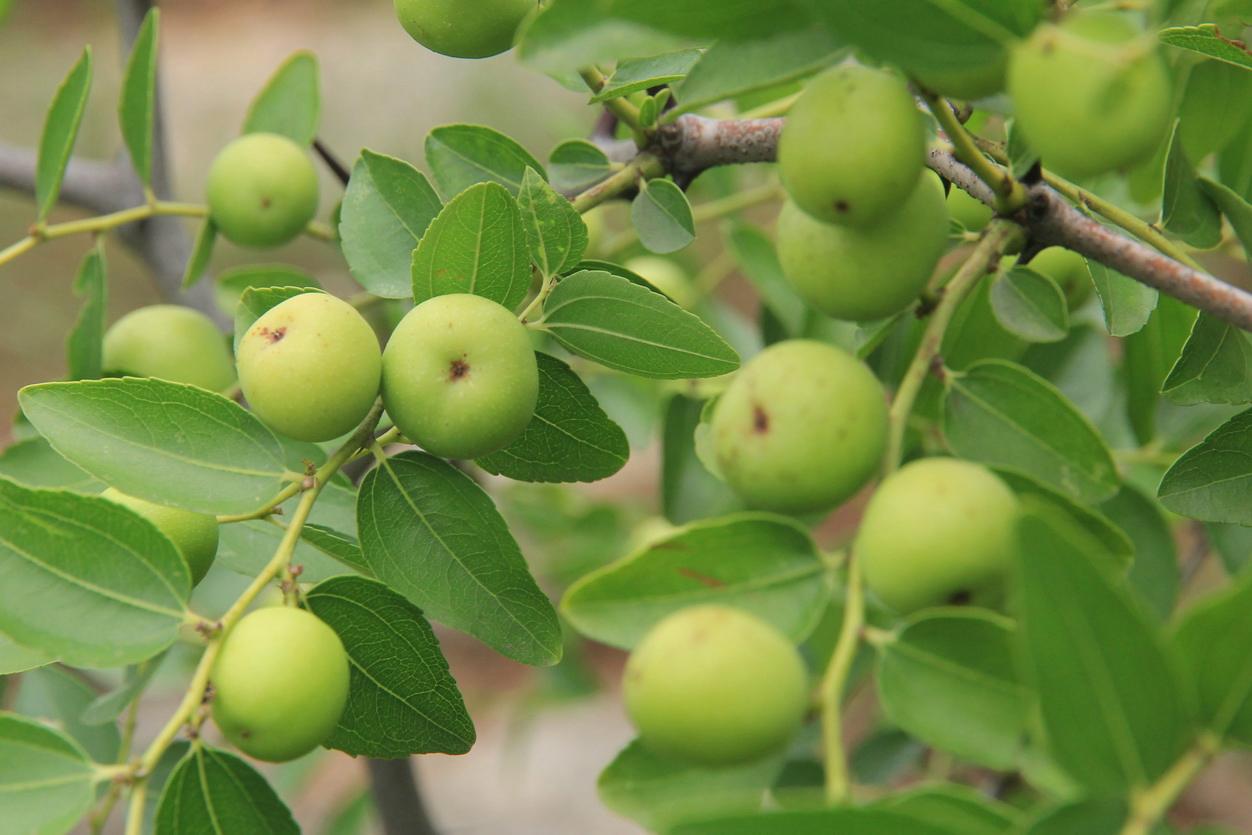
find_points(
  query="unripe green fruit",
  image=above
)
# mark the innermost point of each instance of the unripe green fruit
(193, 534)
(310, 367)
(170, 342)
(1092, 95)
(280, 683)
(463, 30)
(262, 190)
(852, 146)
(801, 428)
(594, 221)
(666, 276)
(716, 686)
(865, 272)
(968, 83)
(937, 531)
(968, 211)
(1068, 269)
(460, 377)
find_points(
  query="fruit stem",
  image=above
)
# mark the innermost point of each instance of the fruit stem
(1010, 194)
(1150, 805)
(838, 784)
(624, 110)
(996, 238)
(641, 167)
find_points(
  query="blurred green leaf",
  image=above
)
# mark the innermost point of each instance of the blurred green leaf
(201, 252)
(1207, 40)
(1149, 354)
(47, 781)
(662, 216)
(688, 490)
(85, 342)
(59, 696)
(60, 130)
(956, 807)
(1186, 210)
(34, 463)
(1215, 642)
(1127, 304)
(816, 822)
(1086, 817)
(136, 110)
(1030, 305)
(576, 164)
(17, 659)
(290, 104)
(1154, 572)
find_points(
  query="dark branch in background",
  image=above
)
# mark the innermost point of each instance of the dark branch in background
(336, 167)
(400, 807)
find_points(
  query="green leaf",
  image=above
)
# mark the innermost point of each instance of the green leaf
(957, 808)
(1022, 157)
(165, 442)
(211, 792)
(246, 547)
(46, 781)
(662, 216)
(34, 463)
(689, 491)
(402, 700)
(201, 252)
(428, 531)
(1149, 355)
(84, 346)
(107, 707)
(18, 659)
(1236, 209)
(477, 245)
(635, 74)
(137, 107)
(1186, 210)
(1114, 539)
(59, 696)
(758, 259)
(1086, 817)
(1030, 305)
(1154, 572)
(658, 793)
(63, 552)
(1207, 40)
(816, 822)
(554, 229)
(1127, 304)
(576, 164)
(1214, 639)
(255, 301)
(1217, 102)
(232, 283)
(344, 548)
(621, 325)
(386, 209)
(1114, 713)
(948, 679)
(290, 103)
(1215, 365)
(60, 129)
(733, 68)
(761, 563)
(1003, 415)
(462, 155)
(1212, 481)
(570, 438)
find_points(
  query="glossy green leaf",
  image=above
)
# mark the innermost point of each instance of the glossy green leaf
(733, 68)
(211, 792)
(956, 807)
(46, 780)
(816, 822)
(622, 325)
(462, 155)
(1127, 304)
(231, 284)
(662, 216)
(16, 659)
(402, 699)
(576, 164)
(554, 229)
(1114, 712)
(137, 108)
(290, 104)
(429, 532)
(201, 252)
(688, 490)
(60, 130)
(635, 74)
(165, 442)
(1207, 40)
(1006, 416)
(34, 463)
(1154, 574)
(477, 244)
(386, 209)
(659, 793)
(1186, 210)
(84, 346)
(764, 564)
(1215, 365)
(1212, 481)
(59, 696)
(570, 438)
(1030, 305)
(1215, 642)
(63, 552)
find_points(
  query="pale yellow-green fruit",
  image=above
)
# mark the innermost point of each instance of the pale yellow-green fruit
(852, 146)
(193, 534)
(865, 272)
(463, 30)
(262, 190)
(280, 683)
(716, 686)
(968, 211)
(596, 227)
(310, 367)
(1092, 95)
(801, 427)
(666, 276)
(170, 342)
(968, 83)
(1068, 269)
(937, 531)
(459, 376)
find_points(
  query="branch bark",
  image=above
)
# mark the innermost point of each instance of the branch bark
(399, 805)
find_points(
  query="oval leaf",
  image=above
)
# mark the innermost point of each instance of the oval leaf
(211, 792)
(1030, 305)
(815, 822)
(576, 164)
(402, 700)
(662, 216)
(17, 659)
(233, 283)
(462, 155)
(1215, 365)
(136, 111)
(554, 229)
(290, 103)
(60, 130)
(957, 807)
(201, 252)
(1212, 481)
(168, 443)
(1127, 303)
(46, 780)
(34, 463)
(428, 531)
(1215, 642)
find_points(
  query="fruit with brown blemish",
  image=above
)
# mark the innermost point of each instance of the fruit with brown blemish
(262, 190)
(459, 376)
(280, 683)
(852, 146)
(800, 428)
(172, 343)
(861, 273)
(310, 367)
(716, 686)
(195, 535)
(938, 531)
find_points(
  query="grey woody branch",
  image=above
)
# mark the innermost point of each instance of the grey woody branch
(694, 143)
